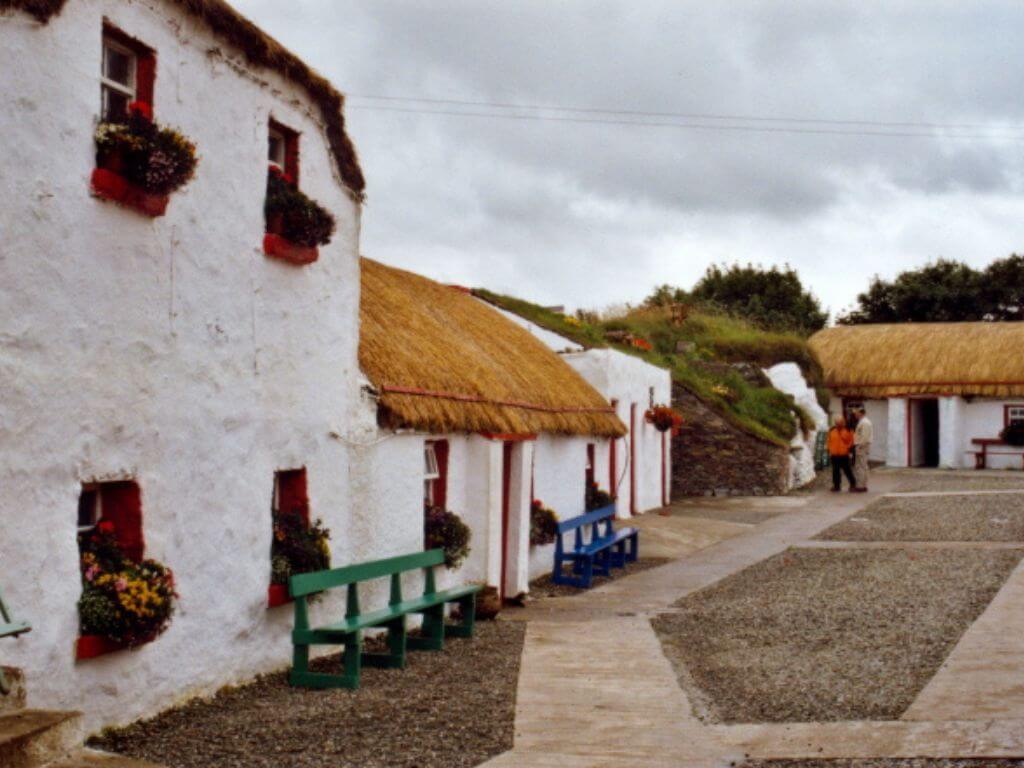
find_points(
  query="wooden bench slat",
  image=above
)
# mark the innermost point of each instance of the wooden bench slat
(396, 611)
(308, 583)
(14, 629)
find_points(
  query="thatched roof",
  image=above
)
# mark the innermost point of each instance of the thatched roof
(985, 359)
(445, 362)
(260, 50)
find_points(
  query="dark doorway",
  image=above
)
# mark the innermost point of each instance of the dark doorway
(930, 432)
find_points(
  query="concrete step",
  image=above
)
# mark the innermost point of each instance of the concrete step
(90, 758)
(33, 737)
(14, 700)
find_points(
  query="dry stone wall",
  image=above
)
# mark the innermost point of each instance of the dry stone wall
(711, 457)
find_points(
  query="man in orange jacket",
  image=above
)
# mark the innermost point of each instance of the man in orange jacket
(840, 440)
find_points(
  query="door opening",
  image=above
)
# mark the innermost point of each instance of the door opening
(924, 432)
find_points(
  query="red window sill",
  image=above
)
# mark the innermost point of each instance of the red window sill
(91, 646)
(108, 185)
(277, 594)
(279, 248)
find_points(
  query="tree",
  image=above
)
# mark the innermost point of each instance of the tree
(944, 291)
(771, 298)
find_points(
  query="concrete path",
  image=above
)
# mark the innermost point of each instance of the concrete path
(595, 688)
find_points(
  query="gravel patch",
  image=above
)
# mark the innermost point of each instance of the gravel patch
(825, 635)
(938, 481)
(450, 709)
(890, 762)
(543, 587)
(935, 518)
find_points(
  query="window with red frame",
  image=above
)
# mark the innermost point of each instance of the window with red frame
(127, 74)
(119, 504)
(283, 150)
(290, 495)
(435, 473)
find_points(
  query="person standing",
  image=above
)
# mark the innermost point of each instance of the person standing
(840, 441)
(862, 446)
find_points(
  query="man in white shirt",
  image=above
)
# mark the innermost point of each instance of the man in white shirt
(862, 444)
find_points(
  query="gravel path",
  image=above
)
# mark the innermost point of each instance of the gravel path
(825, 635)
(543, 587)
(446, 710)
(936, 518)
(939, 481)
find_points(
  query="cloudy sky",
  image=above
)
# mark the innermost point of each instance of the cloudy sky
(686, 133)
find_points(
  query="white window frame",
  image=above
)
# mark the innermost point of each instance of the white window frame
(1010, 413)
(282, 142)
(106, 83)
(97, 512)
(431, 471)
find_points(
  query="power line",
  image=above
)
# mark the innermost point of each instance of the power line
(692, 115)
(689, 126)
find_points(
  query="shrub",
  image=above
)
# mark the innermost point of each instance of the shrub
(445, 530)
(158, 160)
(1013, 433)
(597, 498)
(297, 547)
(293, 215)
(127, 602)
(543, 524)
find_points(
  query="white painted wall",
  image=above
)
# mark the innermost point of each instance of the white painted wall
(983, 417)
(952, 412)
(788, 378)
(897, 411)
(551, 339)
(171, 351)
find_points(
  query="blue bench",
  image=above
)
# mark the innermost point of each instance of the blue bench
(605, 548)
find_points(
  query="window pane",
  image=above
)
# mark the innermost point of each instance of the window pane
(87, 508)
(115, 106)
(276, 154)
(118, 66)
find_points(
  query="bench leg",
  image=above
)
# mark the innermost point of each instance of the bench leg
(558, 574)
(467, 607)
(397, 643)
(604, 562)
(433, 631)
(301, 677)
(588, 573)
(634, 549)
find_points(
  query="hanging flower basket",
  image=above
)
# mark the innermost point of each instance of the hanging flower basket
(664, 418)
(139, 164)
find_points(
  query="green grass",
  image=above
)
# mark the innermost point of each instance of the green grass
(761, 411)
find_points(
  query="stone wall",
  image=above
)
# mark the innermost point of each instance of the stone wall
(712, 457)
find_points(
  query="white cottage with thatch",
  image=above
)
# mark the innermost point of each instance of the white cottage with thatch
(471, 411)
(938, 394)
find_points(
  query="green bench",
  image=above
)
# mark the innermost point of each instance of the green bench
(348, 632)
(9, 628)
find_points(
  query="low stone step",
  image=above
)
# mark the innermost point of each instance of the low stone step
(31, 737)
(90, 758)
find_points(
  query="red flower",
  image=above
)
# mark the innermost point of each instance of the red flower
(141, 109)
(105, 526)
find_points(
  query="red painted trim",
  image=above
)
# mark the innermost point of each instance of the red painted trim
(613, 460)
(145, 77)
(108, 185)
(632, 459)
(416, 391)
(507, 437)
(506, 492)
(441, 449)
(279, 248)
(291, 149)
(664, 472)
(591, 474)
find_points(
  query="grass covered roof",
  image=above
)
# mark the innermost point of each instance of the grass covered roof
(984, 359)
(260, 50)
(444, 362)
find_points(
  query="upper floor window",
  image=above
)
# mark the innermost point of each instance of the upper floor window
(1014, 414)
(283, 151)
(127, 74)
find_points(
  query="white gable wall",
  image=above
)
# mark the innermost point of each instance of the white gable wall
(170, 351)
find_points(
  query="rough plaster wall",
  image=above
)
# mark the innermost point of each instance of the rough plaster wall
(952, 453)
(896, 431)
(552, 340)
(878, 414)
(169, 350)
(628, 380)
(788, 378)
(559, 480)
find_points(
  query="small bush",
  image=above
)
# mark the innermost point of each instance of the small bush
(543, 524)
(299, 219)
(446, 530)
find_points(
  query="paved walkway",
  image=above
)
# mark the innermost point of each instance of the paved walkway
(596, 690)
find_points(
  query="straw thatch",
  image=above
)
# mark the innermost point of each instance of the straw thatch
(984, 359)
(445, 362)
(260, 50)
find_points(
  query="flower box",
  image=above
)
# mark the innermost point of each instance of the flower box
(91, 646)
(108, 185)
(277, 594)
(279, 248)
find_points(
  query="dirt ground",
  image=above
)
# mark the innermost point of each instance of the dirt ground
(992, 517)
(451, 709)
(825, 635)
(543, 587)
